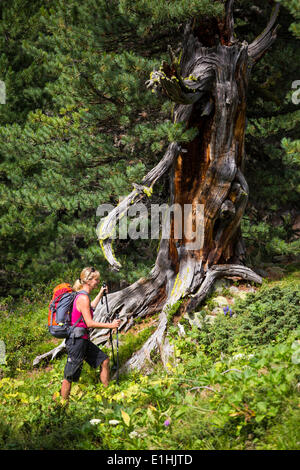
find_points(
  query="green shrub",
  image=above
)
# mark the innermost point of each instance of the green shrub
(265, 316)
(23, 328)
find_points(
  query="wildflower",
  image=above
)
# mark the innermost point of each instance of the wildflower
(134, 434)
(225, 310)
(95, 421)
(113, 422)
(230, 312)
(167, 422)
(238, 356)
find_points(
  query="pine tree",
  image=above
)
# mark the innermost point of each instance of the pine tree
(272, 160)
(68, 158)
(24, 74)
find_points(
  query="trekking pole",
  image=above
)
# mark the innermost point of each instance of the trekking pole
(110, 333)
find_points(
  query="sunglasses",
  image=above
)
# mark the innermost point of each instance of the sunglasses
(92, 270)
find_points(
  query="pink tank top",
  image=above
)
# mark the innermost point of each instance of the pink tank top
(76, 314)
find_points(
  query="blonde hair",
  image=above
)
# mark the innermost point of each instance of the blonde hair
(86, 275)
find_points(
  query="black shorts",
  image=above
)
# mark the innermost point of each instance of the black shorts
(79, 351)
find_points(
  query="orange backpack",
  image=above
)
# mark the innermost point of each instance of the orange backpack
(60, 309)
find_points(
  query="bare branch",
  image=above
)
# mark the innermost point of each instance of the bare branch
(107, 227)
(156, 340)
(230, 370)
(216, 272)
(53, 353)
(262, 43)
(229, 21)
(203, 386)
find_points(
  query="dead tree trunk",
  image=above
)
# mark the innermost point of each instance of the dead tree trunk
(208, 83)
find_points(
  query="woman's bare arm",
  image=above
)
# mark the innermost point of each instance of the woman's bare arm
(99, 296)
(83, 305)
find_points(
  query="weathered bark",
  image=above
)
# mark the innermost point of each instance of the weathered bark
(209, 86)
(50, 354)
(264, 41)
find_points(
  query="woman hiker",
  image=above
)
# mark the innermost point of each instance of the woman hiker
(80, 349)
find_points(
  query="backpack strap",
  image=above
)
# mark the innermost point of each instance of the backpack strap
(81, 316)
(83, 292)
(77, 321)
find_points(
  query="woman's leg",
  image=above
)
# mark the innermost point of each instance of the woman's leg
(104, 373)
(65, 389)
(76, 353)
(95, 358)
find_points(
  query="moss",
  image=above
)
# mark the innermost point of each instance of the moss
(172, 311)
